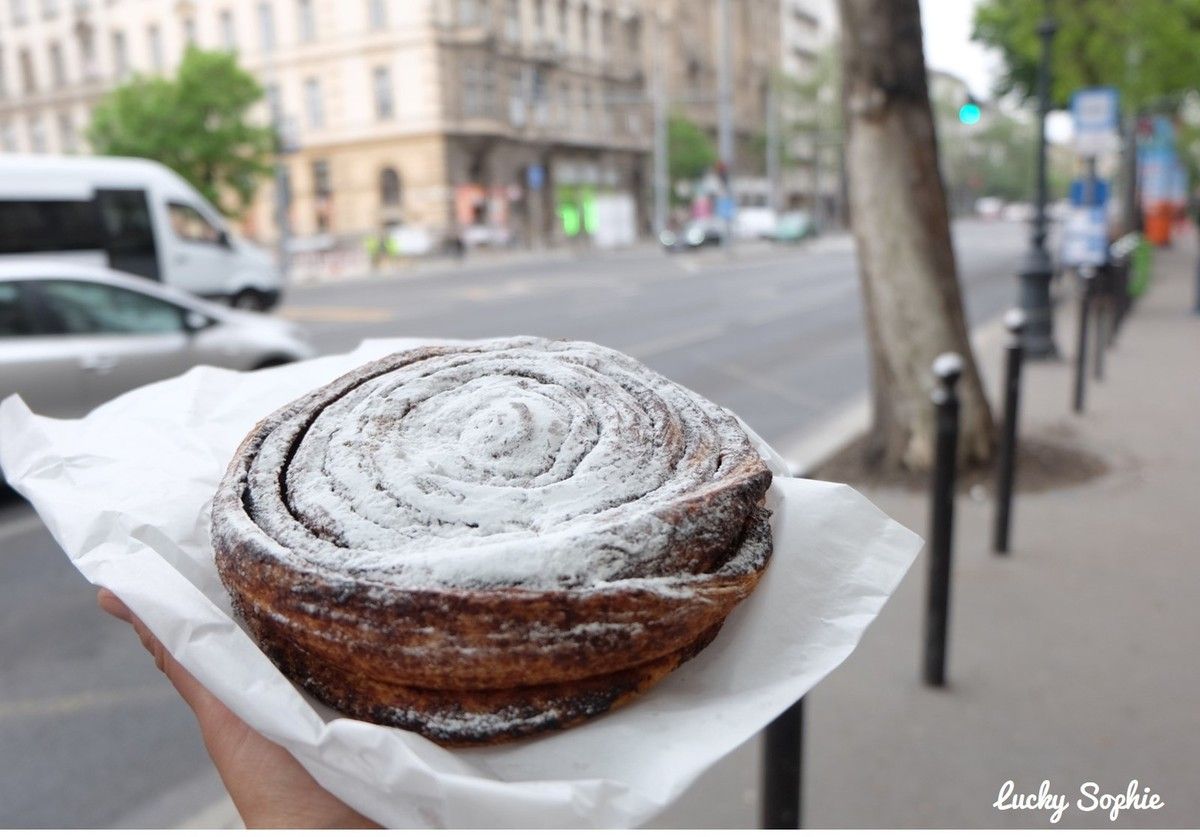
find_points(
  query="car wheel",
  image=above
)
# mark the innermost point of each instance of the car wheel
(249, 300)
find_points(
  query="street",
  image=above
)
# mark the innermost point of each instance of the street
(94, 736)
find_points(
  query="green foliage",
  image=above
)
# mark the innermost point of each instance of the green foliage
(690, 152)
(1147, 49)
(196, 123)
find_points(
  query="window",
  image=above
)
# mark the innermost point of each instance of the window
(37, 135)
(274, 103)
(472, 12)
(306, 26)
(189, 225)
(87, 49)
(539, 17)
(154, 43)
(228, 35)
(384, 105)
(266, 27)
(67, 138)
(585, 34)
(69, 307)
(13, 322)
(120, 56)
(633, 37)
(58, 70)
(8, 137)
(28, 78)
(49, 8)
(49, 226)
(312, 103)
(377, 14)
(20, 12)
(512, 20)
(3, 77)
(606, 30)
(189, 31)
(563, 20)
(472, 94)
(322, 183)
(389, 187)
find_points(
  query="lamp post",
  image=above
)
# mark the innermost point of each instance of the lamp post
(1037, 269)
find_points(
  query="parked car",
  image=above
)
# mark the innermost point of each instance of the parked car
(793, 227)
(699, 232)
(133, 215)
(73, 336)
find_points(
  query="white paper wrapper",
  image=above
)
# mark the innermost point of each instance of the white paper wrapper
(126, 492)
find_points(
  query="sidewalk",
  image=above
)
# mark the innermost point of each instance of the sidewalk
(1073, 660)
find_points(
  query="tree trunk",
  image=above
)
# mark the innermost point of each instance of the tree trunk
(898, 213)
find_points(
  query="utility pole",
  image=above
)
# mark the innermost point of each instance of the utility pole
(661, 149)
(725, 148)
(1037, 270)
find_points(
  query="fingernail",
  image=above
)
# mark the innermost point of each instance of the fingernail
(113, 606)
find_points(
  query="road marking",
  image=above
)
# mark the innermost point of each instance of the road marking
(678, 340)
(23, 525)
(23, 710)
(335, 314)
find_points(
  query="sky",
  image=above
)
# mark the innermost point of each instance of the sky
(946, 25)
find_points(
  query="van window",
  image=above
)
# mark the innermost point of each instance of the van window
(189, 225)
(71, 307)
(34, 226)
(12, 313)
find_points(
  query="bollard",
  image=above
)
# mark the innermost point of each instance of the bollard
(1086, 276)
(783, 754)
(1006, 460)
(1101, 306)
(947, 369)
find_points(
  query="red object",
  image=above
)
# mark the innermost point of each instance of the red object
(1158, 224)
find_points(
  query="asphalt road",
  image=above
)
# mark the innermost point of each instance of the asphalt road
(90, 733)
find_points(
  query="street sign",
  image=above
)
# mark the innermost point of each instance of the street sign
(1094, 110)
(1100, 192)
(535, 177)
(726, 208)
(1085, 237)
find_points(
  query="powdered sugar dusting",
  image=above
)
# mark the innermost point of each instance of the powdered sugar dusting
(527, 463)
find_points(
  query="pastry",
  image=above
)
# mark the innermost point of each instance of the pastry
(483, 541)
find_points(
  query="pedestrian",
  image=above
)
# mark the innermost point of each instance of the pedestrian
(267, 785)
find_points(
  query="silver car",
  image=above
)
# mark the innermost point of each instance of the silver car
(73, 336)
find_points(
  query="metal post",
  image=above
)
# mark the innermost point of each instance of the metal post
(783, 758)
(1037, 269)
(1086, 276)
(1006, 464)
(773, 166)
(1100, 309)
(725, 149)
(661, 171)
(947, 369)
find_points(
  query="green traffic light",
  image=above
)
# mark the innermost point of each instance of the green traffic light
(969, 113)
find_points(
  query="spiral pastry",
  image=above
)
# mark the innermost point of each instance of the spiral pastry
(484, 541)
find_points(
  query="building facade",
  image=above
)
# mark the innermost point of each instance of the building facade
(438, 114)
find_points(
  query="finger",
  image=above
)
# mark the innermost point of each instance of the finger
(113, 606)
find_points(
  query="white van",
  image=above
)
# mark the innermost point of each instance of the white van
(133, 215)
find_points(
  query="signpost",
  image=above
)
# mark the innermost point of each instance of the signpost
(1094, 111)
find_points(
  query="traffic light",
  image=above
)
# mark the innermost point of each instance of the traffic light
(970, 112)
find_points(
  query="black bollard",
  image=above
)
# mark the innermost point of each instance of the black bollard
(1101, 306)
(1086, 276)
(783, 757)
(947, 369)
(1006, 460)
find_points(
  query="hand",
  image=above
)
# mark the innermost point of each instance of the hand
(268, 785)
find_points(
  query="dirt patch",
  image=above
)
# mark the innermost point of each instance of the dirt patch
(1047, 458)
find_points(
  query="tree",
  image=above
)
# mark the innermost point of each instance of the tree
(690, 152)
(196, 123)
(898, 213)
(1146, 50)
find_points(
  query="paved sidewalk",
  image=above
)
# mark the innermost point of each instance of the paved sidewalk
(1074, 660)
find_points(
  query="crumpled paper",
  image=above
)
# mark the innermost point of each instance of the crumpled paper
(127, 493)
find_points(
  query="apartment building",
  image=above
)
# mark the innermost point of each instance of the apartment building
(437, 114)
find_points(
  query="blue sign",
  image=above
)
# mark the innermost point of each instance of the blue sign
(1094, 110)
(726, 208)
(1099, 193)
(535, 177)
(1085, 237)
